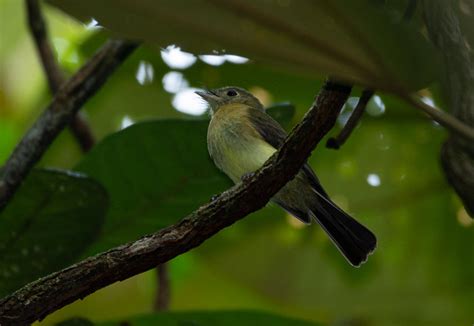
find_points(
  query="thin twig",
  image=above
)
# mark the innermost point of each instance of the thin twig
(339, 140)
(163, 294)
(79, 126)
(444, 119)
(82, 131)
(46, 295)
(59, 113)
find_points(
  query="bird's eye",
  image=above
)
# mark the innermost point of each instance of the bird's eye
(231, 93)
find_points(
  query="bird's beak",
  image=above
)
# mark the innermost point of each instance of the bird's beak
(208, 96)
(211, 98)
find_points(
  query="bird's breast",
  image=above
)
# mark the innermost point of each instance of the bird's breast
(234, 145)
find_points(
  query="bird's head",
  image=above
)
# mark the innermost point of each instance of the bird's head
(217, 98)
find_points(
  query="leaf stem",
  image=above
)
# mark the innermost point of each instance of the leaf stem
(339, 140)
(444, 119)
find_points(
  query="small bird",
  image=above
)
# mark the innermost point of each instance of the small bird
(242, 136)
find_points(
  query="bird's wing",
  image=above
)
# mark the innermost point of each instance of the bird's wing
(267, 127)
(275, 135)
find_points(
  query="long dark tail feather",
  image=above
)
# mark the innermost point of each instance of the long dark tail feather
(354, 240)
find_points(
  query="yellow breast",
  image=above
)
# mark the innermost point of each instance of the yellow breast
(234, 145)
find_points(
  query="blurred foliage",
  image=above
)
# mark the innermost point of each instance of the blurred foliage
(228, 318)
(76, 322)
(387, 175)
(50, 221)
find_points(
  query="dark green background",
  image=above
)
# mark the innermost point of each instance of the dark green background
(155, 172)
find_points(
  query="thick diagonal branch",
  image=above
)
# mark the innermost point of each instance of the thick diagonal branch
(79, 126)
(59, 113)
(40, 298)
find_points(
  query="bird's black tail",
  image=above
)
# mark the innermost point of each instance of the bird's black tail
(353, 239)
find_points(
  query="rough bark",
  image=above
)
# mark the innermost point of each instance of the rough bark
(444, 22)
(44, 296)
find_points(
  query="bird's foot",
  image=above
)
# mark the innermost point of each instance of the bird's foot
(214, 197)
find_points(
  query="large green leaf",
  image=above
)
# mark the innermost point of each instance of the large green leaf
(50, 221)
(156, 172)
(353, 40)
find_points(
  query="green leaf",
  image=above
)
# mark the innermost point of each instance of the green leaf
(353, 40)
(156, 173)
(51, 220)
(211, 318)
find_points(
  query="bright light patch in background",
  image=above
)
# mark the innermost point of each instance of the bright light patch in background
(126, 121)
(187, 101)
(73, 58)
(60, 45)
(219, 59)
(376, 106)
(429, 101)
(145, 73)
(262, 94)
(373, 180)
(237, 59)
(347, 110)
(213, 60)
(93, 24)
(177, 59)
(463, 218)
(174, 81)
(294, 222)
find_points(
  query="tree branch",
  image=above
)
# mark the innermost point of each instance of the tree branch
(59, 113)
(40, 298)
(79, 126)
(339, 140)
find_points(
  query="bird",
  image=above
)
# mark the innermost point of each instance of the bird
(241, 136)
